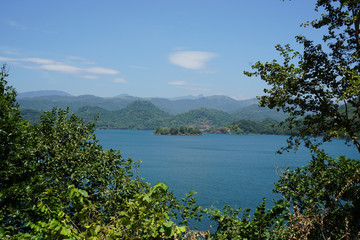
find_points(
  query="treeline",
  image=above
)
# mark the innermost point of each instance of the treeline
(177, 131)
(266, 126)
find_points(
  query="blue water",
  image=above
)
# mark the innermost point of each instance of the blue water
(238, 170)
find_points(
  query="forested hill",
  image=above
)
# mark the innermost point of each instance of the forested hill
(145, 115)
(137, 115)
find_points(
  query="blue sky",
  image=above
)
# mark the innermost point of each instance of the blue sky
(146, 48)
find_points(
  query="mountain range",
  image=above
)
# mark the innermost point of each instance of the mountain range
(129, 112)
(45, 100)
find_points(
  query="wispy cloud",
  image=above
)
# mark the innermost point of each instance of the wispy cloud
(81, 59)
(8, 52)
(90, 77)
(138, 67)
(16, 24)
(194, 60)
(100, 70)
(119, 80)
(178, 83)
(57, 66)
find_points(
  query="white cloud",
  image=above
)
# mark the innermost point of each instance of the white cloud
(90, 77)
(61, 68)
(119, 80)
(81, 59)
(56, 66)
(177, 83)
(194, 60)
(37, 60)
(6, 59)
(100, 70)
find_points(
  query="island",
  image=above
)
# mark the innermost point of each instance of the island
(177, 131)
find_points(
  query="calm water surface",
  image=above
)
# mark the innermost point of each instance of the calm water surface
(238, 170)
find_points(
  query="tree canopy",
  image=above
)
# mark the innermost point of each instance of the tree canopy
(321, 83)
(56, 182)
(320, 90)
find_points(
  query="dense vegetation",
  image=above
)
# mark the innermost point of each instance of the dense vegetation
(266, 126)
(177, 131)
(56, 182)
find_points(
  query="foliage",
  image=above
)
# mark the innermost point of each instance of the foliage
(30, 115)
(321, 80)
(13, 143)
(326, 198)
(58, 183)
(320, 90)
(264, 224)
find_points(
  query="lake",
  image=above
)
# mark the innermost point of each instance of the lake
(238, 170)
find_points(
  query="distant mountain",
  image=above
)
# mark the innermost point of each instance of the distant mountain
(42, 103)
(142, 114)
(42, 93)
(255, 113)
(218, 102)
(74, 103)
(191, 97)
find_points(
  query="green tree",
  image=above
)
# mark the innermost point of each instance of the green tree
(13, 145)
(322, 85)
(320, 90)
(56, 182)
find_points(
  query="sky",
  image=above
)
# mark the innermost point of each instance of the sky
(146, 48)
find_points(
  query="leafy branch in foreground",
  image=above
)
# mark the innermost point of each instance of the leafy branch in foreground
(323, 86)
(56, 181)
(320, 90)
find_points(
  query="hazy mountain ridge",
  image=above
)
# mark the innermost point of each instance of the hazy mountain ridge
(256, 113)
(42, 93)
(172, 106)
(128, 112)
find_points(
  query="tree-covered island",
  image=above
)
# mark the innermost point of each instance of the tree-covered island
(177, 131)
